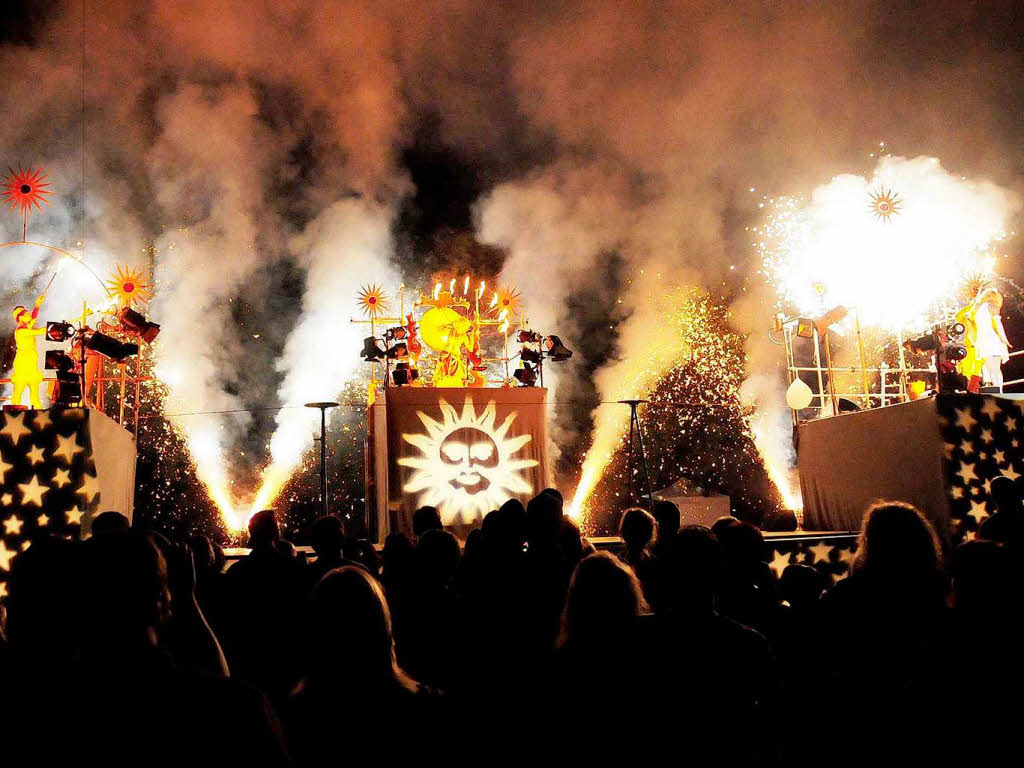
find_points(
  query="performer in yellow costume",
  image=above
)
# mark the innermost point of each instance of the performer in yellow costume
(985, 340)
(26, 359)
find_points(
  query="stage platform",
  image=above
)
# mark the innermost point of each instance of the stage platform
(940, 454)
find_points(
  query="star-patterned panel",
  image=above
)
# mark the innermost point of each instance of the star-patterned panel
(983, 437)
(830, 554)
(47, 479)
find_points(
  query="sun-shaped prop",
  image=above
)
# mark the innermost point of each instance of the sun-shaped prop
(505, 298)
(25, 189)
(884, 203)
(129, 285)
(467, 465)
(372, 300)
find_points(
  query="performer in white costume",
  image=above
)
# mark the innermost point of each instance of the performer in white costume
(993, 347)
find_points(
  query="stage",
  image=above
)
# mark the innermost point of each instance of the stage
(463, 450)
(940, 454)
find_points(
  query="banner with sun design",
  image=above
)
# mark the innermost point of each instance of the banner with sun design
(464, 451)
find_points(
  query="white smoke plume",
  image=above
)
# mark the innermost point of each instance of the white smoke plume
(347, 245)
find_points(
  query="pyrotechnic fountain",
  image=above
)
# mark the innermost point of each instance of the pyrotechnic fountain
(892, 253)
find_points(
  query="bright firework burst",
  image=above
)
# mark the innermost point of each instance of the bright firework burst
(26, 190)
(885, 204)
(830, 250)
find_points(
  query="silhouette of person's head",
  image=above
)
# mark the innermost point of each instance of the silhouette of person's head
(543, 514)
(42, 602)
(983, 579)
(555, 494)
(203, 555)
(351, 631)
(327, 538)
(437, 556)
(722, 523)
(504, 529)
(666, 513)
(263, 531)
(636, 529)
(801, 585)
(128, 599)
(1006, 495)
(106, 522)
(426, 519)
(896, 542)
(694, 560)
(603, 600)
(742, 546)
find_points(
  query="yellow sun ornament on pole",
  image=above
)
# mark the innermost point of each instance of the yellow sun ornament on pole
(372, 300)
(506, 299)
(884, 203)
(129, 285)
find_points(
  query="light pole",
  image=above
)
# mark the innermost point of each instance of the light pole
(323, 450)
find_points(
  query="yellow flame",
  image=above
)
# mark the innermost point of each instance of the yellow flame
(451, 286)
(437, 291)
(465, 285)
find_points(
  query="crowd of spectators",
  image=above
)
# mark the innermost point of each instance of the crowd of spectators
(521, 643)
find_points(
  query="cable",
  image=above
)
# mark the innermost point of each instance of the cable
(671, 404)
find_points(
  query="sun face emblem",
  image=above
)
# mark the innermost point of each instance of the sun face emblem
(467, 465)
(885, 203)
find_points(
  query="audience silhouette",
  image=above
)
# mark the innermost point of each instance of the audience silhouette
(525, 631)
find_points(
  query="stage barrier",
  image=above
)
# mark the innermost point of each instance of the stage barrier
(940, 454)
(463, 450)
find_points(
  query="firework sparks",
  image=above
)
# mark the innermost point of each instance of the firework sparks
(832, 250)
(696, 426)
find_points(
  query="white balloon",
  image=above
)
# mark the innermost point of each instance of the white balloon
(799, 395)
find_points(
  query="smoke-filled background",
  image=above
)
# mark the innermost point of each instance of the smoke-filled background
(267, 158)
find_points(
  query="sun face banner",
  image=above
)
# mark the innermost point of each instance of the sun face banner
(464, 451)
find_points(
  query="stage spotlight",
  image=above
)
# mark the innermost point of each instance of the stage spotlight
(391, 334)
(528, 355)
(957, 329)
(56, 360)
(59, 331)
(136, 323)
(529, 337)
(111, 347)
(527, 375)
(956, 352)
(372, 350)
(557, 351)
(830, 318)
(805, 328)
(403, 375)
(398, 351)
